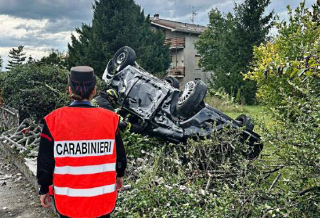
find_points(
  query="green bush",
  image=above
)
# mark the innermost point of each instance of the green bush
(287, 73)
(35, 90)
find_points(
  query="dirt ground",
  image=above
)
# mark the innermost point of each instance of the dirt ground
(17, 197)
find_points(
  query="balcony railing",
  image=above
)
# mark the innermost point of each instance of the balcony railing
(177, 71)
(176, 42)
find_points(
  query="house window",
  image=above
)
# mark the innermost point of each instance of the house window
(197, 62)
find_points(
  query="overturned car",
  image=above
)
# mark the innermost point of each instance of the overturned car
(158, 107)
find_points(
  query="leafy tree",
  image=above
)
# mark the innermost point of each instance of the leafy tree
(117, 23)
(282, 64)
(17, 57)
(227, 45)
(55, 58)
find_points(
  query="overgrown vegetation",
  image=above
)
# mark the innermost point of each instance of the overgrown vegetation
(287, 73)
(206, 178)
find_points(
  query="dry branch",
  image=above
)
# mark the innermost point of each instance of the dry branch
(274, 182)
(316, 188)
(274, 170)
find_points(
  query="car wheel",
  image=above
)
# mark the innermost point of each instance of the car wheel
(173, 82)
(191, 97)
(244, 120)
(123, 57)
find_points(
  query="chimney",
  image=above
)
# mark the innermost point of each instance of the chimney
(156, 16)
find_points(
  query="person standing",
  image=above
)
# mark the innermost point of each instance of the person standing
(81, 155)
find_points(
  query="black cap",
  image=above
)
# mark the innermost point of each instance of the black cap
(82, 80)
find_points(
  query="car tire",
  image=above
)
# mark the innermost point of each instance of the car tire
(244, 120)
(191, 97)
(123, 57)
(173, 82)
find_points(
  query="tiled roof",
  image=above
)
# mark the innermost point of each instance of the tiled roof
(178, 26)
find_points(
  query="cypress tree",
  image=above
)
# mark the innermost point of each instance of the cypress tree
(117, 23)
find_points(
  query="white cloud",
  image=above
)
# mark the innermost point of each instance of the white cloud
(49, 9)
(201, 7)
(59, 37)
(33, 35)
(20, 28)
(4, 51)
(181, 10)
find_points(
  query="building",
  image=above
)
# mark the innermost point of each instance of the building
(185, 58)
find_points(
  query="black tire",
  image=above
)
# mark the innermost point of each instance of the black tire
(123, 57)
(173, 82)
(191, 98)
(244, 120)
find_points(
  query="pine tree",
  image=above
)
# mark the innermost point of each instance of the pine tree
(117, 23)
(17, 57)
(227, 46)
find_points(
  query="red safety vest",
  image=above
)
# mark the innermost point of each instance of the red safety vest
(85, 160)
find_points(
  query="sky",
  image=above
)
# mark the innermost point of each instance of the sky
(40, 25)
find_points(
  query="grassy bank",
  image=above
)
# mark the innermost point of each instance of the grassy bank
(260, 115)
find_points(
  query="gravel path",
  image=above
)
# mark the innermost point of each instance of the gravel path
(17, 197)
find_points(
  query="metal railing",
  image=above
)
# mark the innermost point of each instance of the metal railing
(176, 42)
